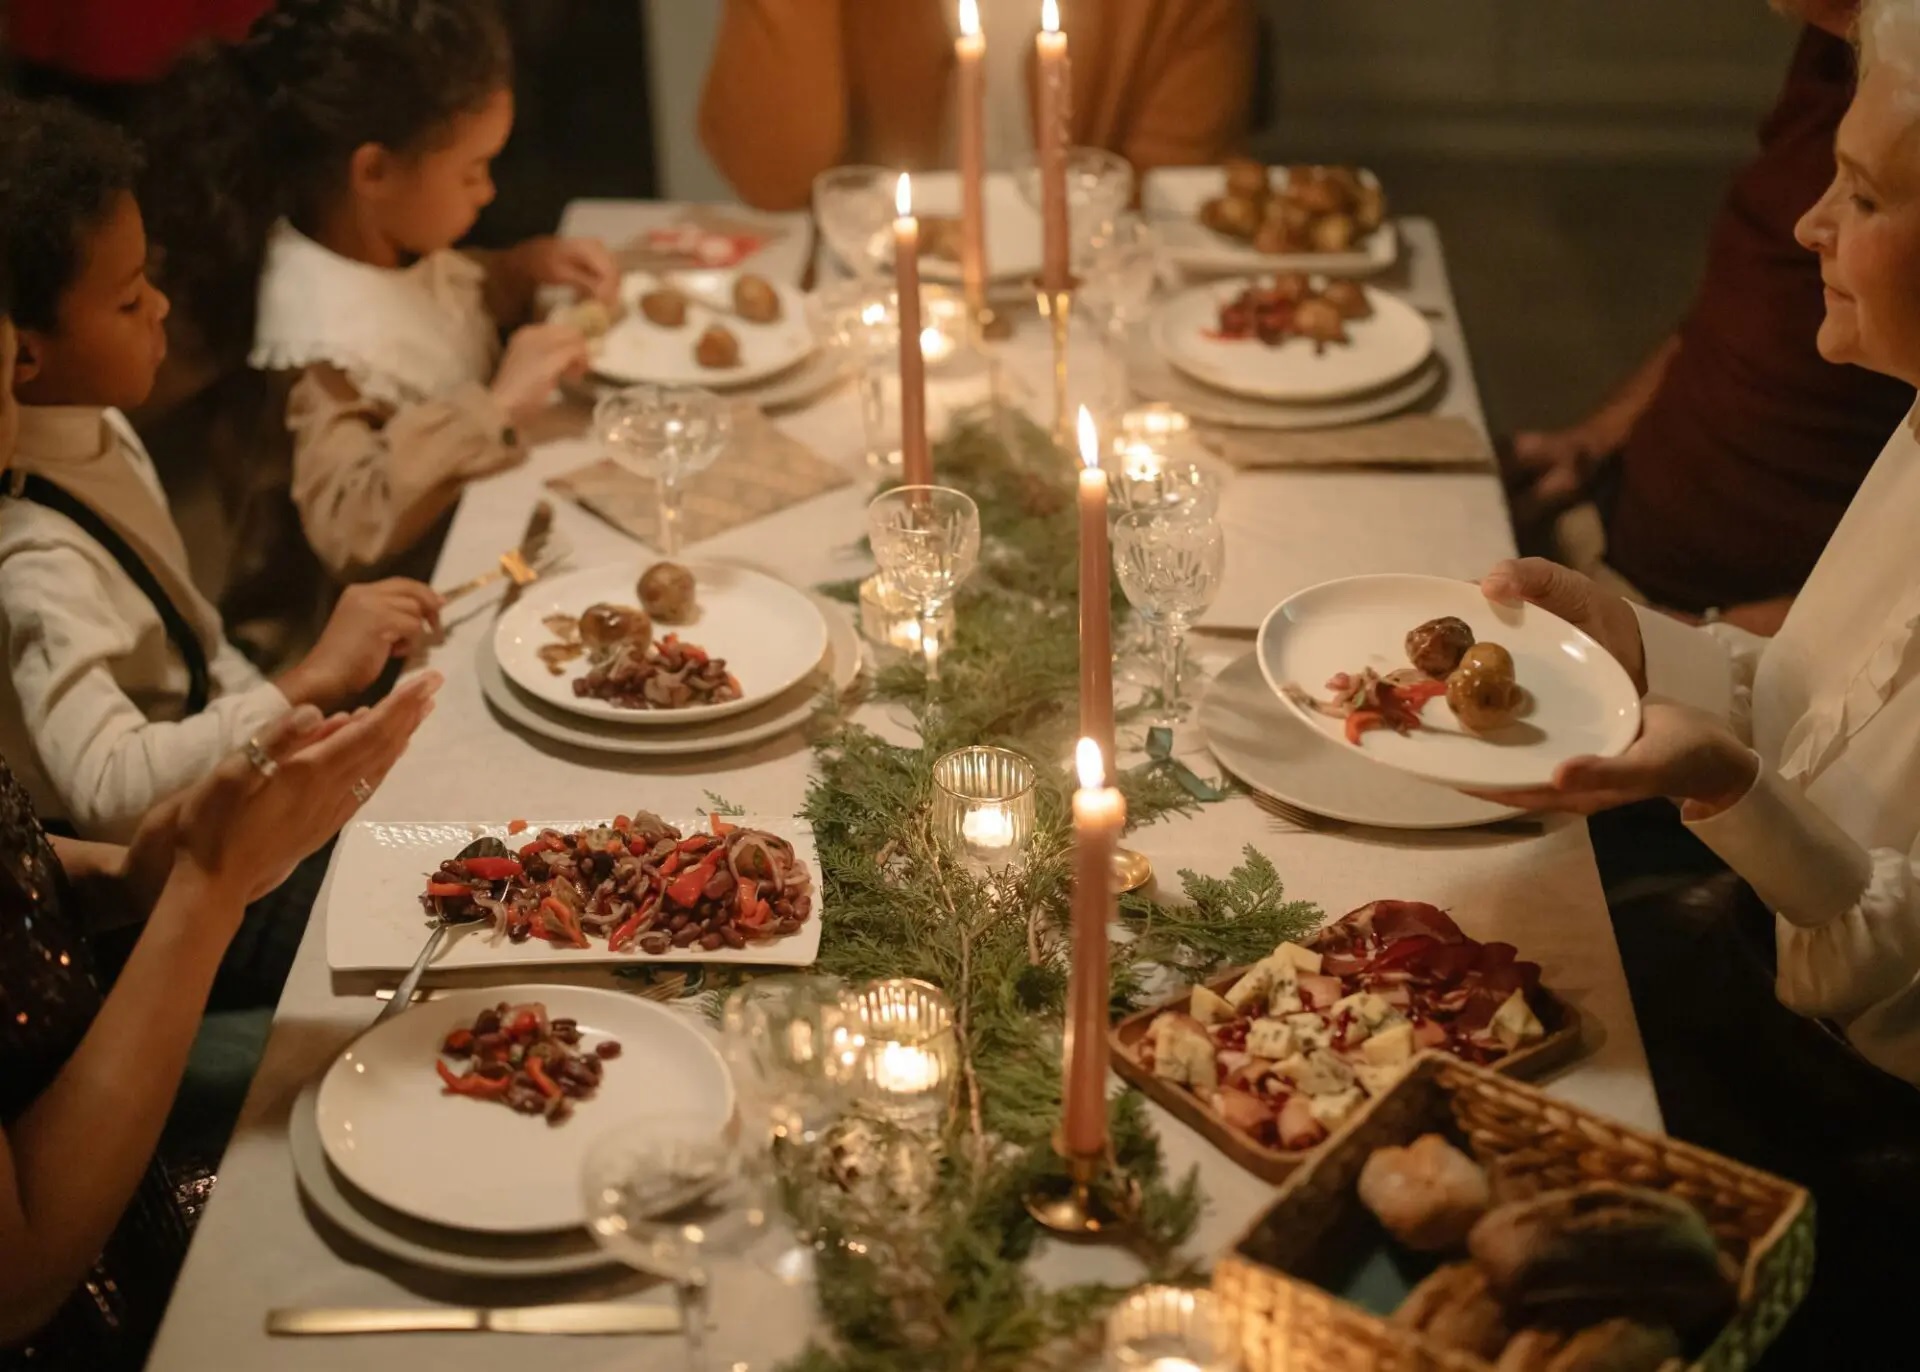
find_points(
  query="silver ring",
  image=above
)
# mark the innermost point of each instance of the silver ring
(258, 759)
(362, 792)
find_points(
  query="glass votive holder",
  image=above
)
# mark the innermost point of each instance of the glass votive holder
(911, 1052)
(889, 620)
(1168, 1329)
(983, 806)
(1156, 426)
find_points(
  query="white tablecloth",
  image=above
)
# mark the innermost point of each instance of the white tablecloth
(256, 1248)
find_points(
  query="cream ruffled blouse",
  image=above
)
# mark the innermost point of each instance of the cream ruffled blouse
(1830, 834)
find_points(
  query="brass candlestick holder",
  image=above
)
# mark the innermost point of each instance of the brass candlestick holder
(1057, 308)
(1095, 1200)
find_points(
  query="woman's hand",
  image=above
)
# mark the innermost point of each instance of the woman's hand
(240, 832)
(581, 263)
(538, 356)
(1549, 472)
(373, 623)
(1576, 599)
(1682, 754)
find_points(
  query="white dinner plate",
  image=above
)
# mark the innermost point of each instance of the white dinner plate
(1152, 377)
(839, 669)
(1172, 196)
(394, 1132)
(1013, 225)
(1580, 700)
(1380, 350)
(1273, 750)
(463, 1252)
(376, 923)
(770, 635)
(636, 349)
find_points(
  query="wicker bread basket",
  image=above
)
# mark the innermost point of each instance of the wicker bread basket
(1533, 1143)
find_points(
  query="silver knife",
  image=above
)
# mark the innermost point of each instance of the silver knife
(529, 1319)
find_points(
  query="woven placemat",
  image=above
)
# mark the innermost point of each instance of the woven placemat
(762, 472)
(1421, 441)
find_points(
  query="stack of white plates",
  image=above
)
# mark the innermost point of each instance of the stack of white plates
(789, 650)
(1387, 365)
(467, 1186)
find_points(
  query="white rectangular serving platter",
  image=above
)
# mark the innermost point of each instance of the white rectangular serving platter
(376, 923)
(1171, 198)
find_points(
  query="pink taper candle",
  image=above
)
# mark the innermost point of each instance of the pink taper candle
(1056, 273)
(916, 459)
(970, 51)
(1096, 604)
(1099, 813)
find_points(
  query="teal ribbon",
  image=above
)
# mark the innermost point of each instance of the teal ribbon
(1161, 758)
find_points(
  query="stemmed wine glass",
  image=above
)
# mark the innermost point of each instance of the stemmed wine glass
(855, 210)
(796, 1052)
(675, 1196)
(1099, 185)
(1170, 563)
(1122, 271)
(666, 433)
(927, 541)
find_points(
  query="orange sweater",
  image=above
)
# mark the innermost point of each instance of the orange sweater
(798, 86)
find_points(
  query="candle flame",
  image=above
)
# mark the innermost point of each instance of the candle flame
(1050, 16)
(1089, 439)
(903, 196)
(970, 18)
(1090, 764)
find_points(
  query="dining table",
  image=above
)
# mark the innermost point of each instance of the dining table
(1534, 884)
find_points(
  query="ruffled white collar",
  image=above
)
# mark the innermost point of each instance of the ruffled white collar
(401, 336)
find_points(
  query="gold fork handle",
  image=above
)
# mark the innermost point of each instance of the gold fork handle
(468, 587)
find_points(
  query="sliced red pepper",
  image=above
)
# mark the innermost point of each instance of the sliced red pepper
(524, 1025)
(517, 826)
(720, 827)
(493, 868)
(548, 1087)
(671, 865)
(746, 893)
(458, 1042)
(696, 655)
(561, 919)
(472, 1083)
(697, 844)
(445, 889)
(687, 887)
(758, 916)
(1360, 721)
(535, 847)
(630, 927)
(1417, 694)
(623, 822)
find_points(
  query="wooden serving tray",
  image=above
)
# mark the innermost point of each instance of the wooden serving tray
(1561, 1045)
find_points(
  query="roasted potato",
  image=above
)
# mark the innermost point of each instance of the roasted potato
(666, 307)
(755, 300)
(717, 349)
(1247, 179)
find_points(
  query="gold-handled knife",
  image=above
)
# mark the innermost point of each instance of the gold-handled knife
(520, 564)
(529, 1319)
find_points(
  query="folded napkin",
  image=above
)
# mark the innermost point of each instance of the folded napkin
(763, 471)
(1421, 441)
(700, 236)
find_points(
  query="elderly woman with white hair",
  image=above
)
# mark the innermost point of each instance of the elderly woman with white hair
(1796, 759)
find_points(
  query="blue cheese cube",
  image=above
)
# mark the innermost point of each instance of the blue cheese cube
(1331, 1109)
(1271, 1039)
(1252, 987)
(1369, 1010)
(1310, 1029)
(1319, 1073)
(1294, 956)
(1183, 1053)
(1208, 1007)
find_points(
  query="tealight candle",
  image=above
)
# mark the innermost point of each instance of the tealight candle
(983, 806)
(911, 1051)
(1167, 1329)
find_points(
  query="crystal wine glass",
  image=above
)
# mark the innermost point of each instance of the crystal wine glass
(796, 1052)
(1170, 563)
(1099, 186)
(666, 433)
(855, 210)
(1122, 269)
(926, 540)
(675, 1196)
(862, 319)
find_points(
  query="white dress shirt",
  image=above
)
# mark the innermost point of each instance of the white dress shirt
(90, 713)
(1827, 835)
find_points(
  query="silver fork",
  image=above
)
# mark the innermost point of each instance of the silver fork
(1294, 815)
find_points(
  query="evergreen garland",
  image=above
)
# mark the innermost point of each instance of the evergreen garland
(947, 1287)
